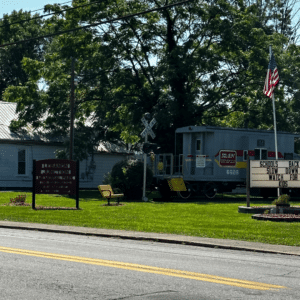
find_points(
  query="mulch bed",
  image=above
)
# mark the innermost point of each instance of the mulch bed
(291, 215)
(277, 217)
(16, 204)
(55, 208)
(40, 207)
(113, 204)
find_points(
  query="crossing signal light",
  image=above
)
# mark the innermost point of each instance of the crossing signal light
(151, 147)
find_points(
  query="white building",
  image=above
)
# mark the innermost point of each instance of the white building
(17, 152)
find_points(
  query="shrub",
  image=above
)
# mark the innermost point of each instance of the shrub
(19, 200)
(127, 175)
(283, 199)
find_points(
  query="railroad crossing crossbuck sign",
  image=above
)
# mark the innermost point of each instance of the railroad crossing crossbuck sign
(148, 128)
(144, 134)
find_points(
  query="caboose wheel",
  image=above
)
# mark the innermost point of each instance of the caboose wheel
(210, 190)
(184, 195)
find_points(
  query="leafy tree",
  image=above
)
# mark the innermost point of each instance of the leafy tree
(48, 111)
(186, 65)
(15, 27)
(256, 111)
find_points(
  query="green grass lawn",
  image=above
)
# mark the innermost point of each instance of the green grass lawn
(217, 218)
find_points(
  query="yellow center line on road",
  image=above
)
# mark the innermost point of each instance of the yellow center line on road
(148, 269)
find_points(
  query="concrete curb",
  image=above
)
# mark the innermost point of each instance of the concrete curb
(261, 210)
(253, 210)
(157, 237)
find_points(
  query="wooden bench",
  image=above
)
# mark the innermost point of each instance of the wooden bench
(107, 192)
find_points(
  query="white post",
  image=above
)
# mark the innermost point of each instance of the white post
(275, 127)
(145, 172)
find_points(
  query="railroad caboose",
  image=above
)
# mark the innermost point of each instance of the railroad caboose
(209, 159)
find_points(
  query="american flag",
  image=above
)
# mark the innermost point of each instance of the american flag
(272, 78)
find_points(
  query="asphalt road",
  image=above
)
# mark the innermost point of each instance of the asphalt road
(42, 265)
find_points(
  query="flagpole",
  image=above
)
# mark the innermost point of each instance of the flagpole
(275, 127)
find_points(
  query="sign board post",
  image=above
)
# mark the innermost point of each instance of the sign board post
(55, 176)
(248, 181)
(145, 132)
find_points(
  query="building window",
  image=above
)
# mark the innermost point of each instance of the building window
(21, 162)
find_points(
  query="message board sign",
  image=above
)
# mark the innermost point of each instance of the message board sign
(55, 176)
(275, 173)
(227, 158)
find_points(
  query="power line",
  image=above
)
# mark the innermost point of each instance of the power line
(100, 23)
(27, 20)
(52, 4)
(31, 11)
(54, 13)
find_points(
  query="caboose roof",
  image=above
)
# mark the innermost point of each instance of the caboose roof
(196, 129)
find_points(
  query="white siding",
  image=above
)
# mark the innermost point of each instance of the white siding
(8, 163)
(104, 164)
(9, 176)
(9, 166)
(44, 152)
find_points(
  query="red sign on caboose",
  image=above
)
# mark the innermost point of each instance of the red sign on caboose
(227, 158)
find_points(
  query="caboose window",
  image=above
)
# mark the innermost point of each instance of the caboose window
(198, 145)
(264, 154)
(257, 154)
(288, 156)
(260, 154)
(245, 155)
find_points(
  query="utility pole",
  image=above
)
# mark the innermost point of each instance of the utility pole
(72, 105)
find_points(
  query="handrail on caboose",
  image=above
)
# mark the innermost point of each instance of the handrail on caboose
(167, 164)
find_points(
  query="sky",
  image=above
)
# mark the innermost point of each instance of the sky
(7, 6)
